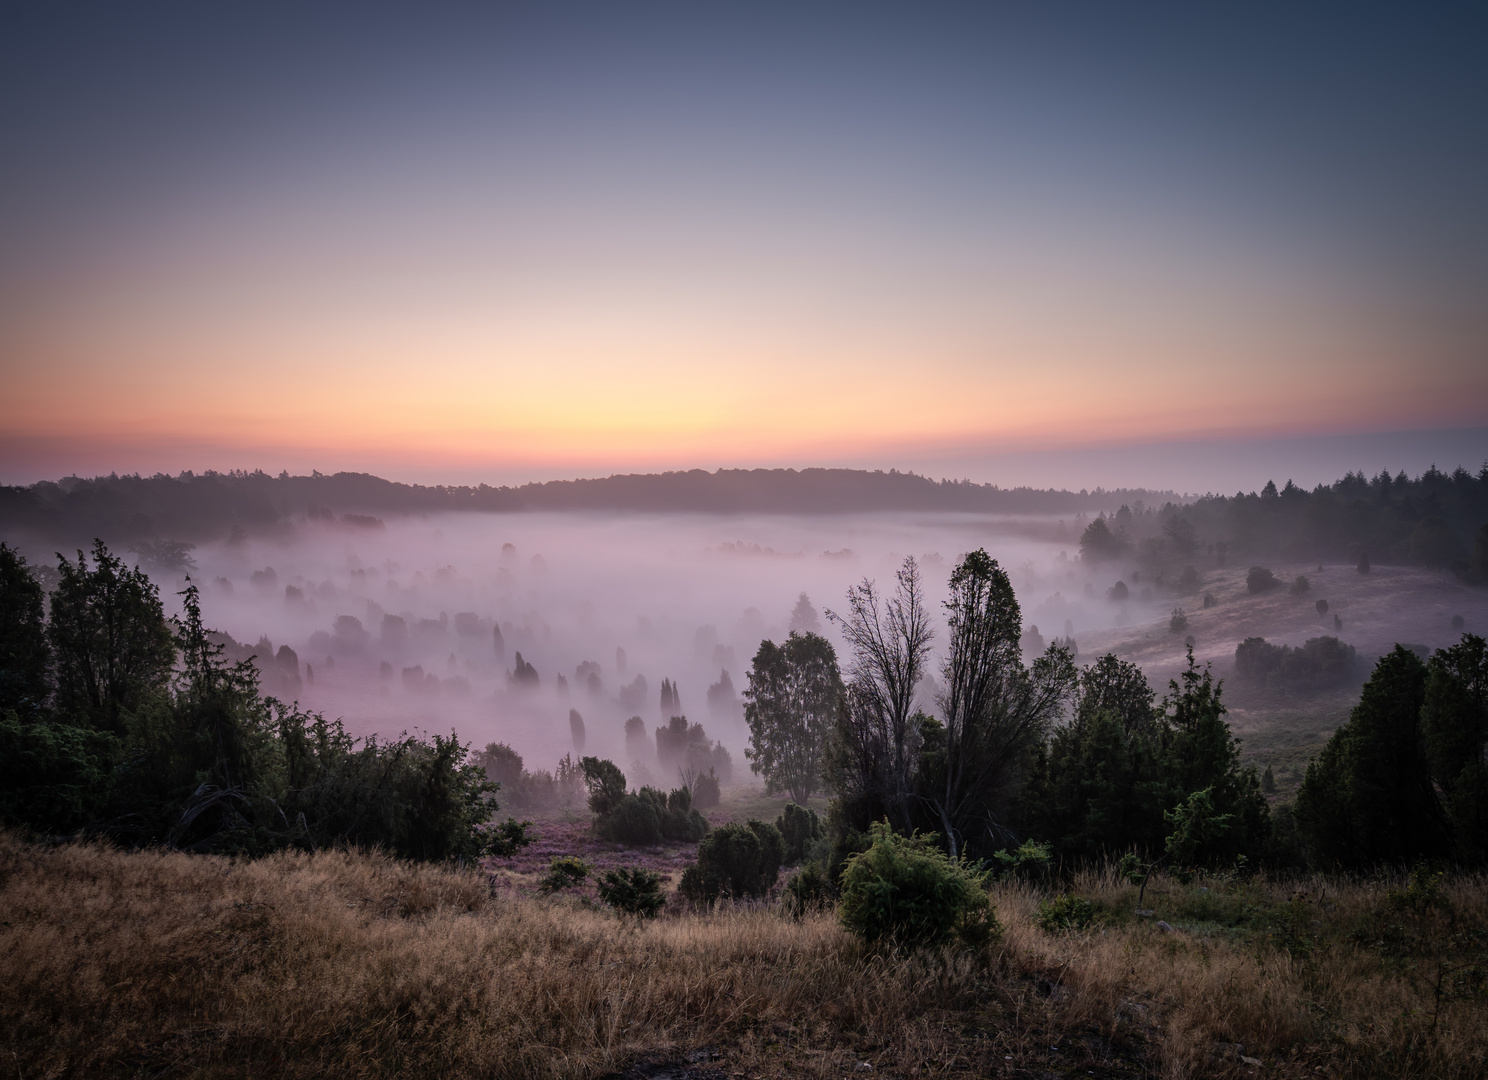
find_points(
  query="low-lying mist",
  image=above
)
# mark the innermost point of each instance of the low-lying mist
(418, 623)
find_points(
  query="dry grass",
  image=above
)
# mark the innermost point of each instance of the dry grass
(161, 964)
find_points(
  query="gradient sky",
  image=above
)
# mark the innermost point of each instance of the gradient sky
(507, 242)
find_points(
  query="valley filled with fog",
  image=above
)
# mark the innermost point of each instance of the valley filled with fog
(417, 623)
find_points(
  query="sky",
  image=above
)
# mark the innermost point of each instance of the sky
(1058, 244)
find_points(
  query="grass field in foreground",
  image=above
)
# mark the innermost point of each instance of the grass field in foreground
(161, 964)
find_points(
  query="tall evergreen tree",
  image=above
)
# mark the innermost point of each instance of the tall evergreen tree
(1369, 797)
(1101, 785)
(1454, 725)
(1201, 752)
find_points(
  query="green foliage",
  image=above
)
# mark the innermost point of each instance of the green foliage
(643, 817)
(809, 889)
(634, 820)
(1064, 912)
(54, 777)
(1029, 861)
(995, 710)
(606, 784)
(25, 659)
(1201, 752)
(1195, 825)
(414, 798)
(1101, 783)
(1421, 935)
(906, 891)
(735, 861)
(801, 829)
(564, 872)
(1454, 726)
(110, 643)
(1369, 798)
(199, 761)
(791, 704)
(634, 891)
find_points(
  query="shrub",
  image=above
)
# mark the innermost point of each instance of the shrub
(1188, 581)
(564, 872)
(1363, 565)
(679, 821)
(1030, 861)
(53, 777)
(633, 820)
(905, 890)
(800, 828)
(1209, 600)
(1067, 912)
(1258, 579)
(809, 889)
(1322, 607)
(1320, 662)
(1178, 622)
(1300, 585)
(1119, 591)
(649, 817)
(706, 792)
(735, 861)
(634, 891)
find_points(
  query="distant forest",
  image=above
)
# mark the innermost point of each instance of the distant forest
(1437, 519)
(211, 506)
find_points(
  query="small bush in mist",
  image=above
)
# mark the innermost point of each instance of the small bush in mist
(706, 792)
(642, 817)
(1320, 662)
(1322, 607)
(685, 748)
(632, 890)
(1178, 622)
(907, 891)
(1300, 585)
(735, 861)
(637, 745)
(1258, 579)
(1118, 592)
